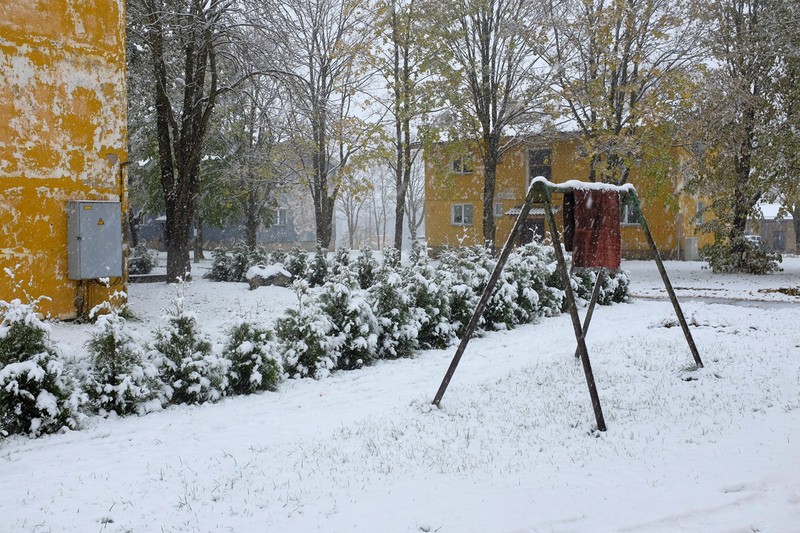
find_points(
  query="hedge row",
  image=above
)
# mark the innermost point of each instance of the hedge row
(350, 312)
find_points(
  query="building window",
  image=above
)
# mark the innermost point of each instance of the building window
(628, 215)
(700, 216)
(498, 210)
(463, 165)
(540, 164)
(461, 214)
(280, 217)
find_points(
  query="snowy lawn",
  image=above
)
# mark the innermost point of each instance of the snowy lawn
(512, 448)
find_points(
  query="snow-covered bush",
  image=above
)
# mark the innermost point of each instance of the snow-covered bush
(231, 265)
(613, 290)
(430, 306)
(366, 268)
(353, 320)
(397, 328)
(255, 365)
(740, 256)
(307, 337)
(318, 269)
(37, 395)
(340, 263)
(533, 269)
(120, 377)
(296, 262)
(141, 260)
(190, 371)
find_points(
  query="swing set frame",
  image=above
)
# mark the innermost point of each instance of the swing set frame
(541, 191)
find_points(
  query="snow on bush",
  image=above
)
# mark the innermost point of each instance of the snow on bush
(190, 371)
(232, 265)
(296, 262)
(255, 365)
(398, 330)
(141, 260)
(318, 269)
(37, 395)
(614, 288)
(430, 305)
(120, 377)
(366, 268)
(307, 337)
(354, 322)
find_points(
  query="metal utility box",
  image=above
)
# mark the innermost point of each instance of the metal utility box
(94, 239)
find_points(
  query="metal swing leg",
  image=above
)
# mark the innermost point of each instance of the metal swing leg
(573, 311)
(667, 284)
(598, 283)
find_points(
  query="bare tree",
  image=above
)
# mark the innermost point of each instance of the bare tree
(415, 200)
(489, 54)
(399, 58)
(186, 39)
(317, 47)
(734, 115)
(380, 204)
(351, 201)
(621, 67)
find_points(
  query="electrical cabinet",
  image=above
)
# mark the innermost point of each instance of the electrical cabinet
(94, 239)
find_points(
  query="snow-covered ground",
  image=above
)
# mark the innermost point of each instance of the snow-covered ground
(511, 450)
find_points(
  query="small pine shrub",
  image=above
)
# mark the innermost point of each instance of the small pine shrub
(430, 306)
(340, 264)
(141, 260)
(318, 269)
(307, 337)
(740, 256)
(37, 395)
(366, 268)
(296, 262)
(278, 256)
(397, 329)
(255, 366)
(391, 258)
(353, 320)
(190, 371)
(120, 379)
(232, 265)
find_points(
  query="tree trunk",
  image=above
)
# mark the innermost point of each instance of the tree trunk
(489, 179)
(198, 238)
(796, 222)
(251, 219)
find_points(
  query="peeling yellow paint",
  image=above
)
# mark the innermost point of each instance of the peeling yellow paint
(62, 117)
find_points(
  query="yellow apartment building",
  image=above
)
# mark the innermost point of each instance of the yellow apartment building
(63, 149)
(454, 192)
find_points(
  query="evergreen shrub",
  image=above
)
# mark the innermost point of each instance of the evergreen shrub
(254, 364)
(37, 394)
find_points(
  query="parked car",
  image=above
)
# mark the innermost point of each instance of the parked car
(756, 240)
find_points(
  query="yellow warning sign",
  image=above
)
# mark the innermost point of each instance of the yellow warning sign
(101, 223)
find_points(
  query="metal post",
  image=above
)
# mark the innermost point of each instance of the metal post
(573, 311)
(592, 302)
(634, 198)
(487, 293)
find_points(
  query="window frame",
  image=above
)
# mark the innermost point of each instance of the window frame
(463, 211)
(464, 164)
(281, 213)
(625, 214)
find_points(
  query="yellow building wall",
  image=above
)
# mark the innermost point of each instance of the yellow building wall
(62, 137)
(659, 198)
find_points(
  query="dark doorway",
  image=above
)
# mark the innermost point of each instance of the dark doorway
(532, 228)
